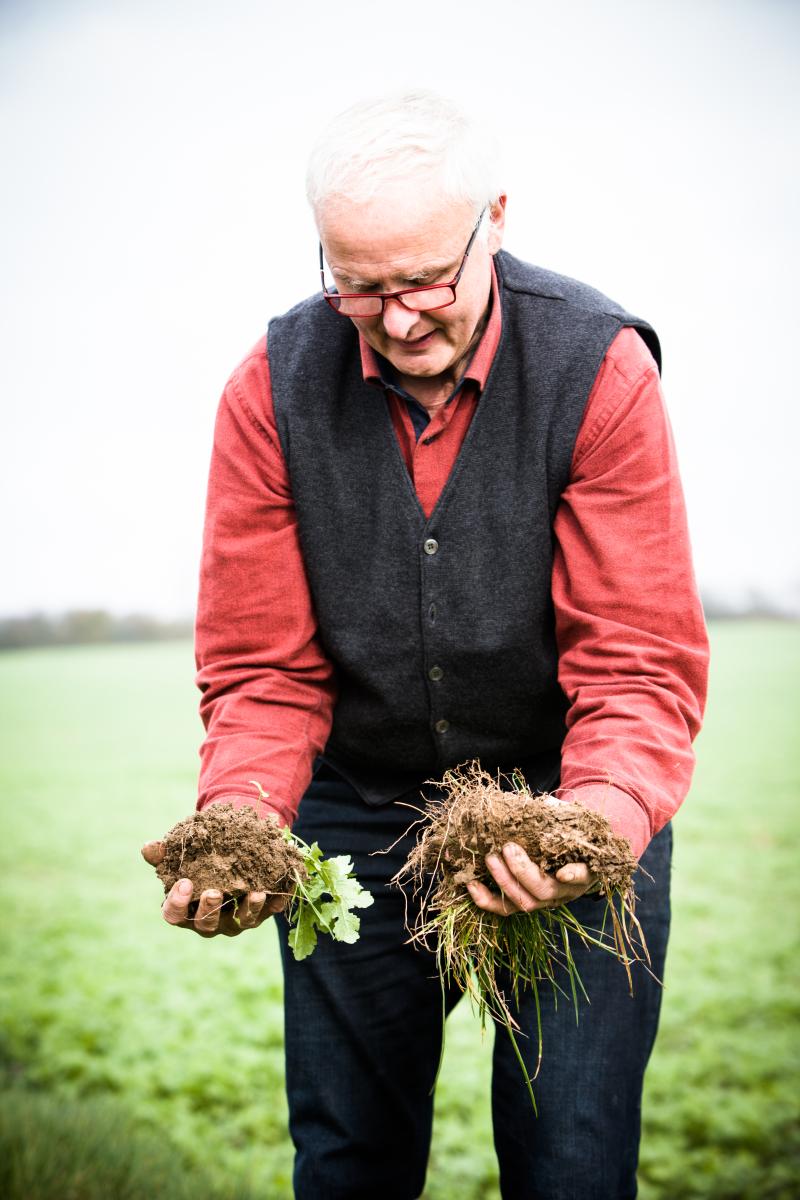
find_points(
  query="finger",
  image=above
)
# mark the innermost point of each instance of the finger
(575, 873)
(510, 886)
(206, 919)
(249, 910)
(175, 908)
(153, 853)
(503, 905)
(528, 875)
(275, 904)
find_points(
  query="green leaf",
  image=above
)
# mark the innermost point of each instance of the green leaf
(329, 912)
(313, 854)
(354, 896)
(347, 927)
(338, 867)
(303, 938)
(342, 883)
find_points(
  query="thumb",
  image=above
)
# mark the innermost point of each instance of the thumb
(576, 873)
(153, 853)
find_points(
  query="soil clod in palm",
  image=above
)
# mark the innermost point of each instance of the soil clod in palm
(231, 849)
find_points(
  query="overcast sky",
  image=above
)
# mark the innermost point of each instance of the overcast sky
(154, 219)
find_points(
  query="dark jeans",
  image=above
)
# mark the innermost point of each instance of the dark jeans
(363, 1036)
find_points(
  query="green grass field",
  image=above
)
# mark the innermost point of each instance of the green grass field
(139, 1061)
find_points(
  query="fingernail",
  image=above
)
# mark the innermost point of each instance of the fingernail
(492, 860)
(511, 850)
(258, 897)
(568, 876)
(185, 887)
(214, 895)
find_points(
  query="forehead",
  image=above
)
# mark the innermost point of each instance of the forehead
(396, 234)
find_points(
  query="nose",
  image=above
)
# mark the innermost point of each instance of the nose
(398, 320)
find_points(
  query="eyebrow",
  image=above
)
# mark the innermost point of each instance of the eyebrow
(418, 277)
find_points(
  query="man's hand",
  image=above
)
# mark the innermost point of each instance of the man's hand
(214, 913)
(524, 887)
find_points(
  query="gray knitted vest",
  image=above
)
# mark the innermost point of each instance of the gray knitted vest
(441, 630)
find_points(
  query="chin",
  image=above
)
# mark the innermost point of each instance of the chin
(423, 367)
(420, 370)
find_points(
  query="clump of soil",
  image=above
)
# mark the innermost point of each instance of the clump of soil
(477, 817)
(231, 849)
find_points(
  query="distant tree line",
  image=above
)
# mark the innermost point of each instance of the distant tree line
(752, 603)
(81, 627)
(85, 626)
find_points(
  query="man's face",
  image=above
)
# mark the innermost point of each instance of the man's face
(401, 240)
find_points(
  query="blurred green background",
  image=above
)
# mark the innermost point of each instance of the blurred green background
(141, 1062)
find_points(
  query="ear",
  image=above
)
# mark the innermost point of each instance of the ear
(497, 217)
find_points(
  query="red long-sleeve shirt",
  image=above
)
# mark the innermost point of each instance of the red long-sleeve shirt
(631, 637)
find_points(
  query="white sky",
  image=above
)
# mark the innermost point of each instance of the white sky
(153, 219)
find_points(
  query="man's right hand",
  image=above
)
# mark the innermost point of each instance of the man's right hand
(215, 914)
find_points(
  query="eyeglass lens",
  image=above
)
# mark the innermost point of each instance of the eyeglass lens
(370, 306)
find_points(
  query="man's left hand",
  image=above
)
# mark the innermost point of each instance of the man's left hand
(524, 887)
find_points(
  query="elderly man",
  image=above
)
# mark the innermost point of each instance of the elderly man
(445, 522)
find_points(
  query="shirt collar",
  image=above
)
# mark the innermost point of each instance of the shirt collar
(373, 365)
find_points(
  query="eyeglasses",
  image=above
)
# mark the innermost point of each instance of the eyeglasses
(418, 299)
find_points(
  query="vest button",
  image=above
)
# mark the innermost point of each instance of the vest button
(442, 726)
(436, 673)
(430, 545)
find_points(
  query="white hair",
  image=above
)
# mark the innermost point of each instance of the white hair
(386, 140)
